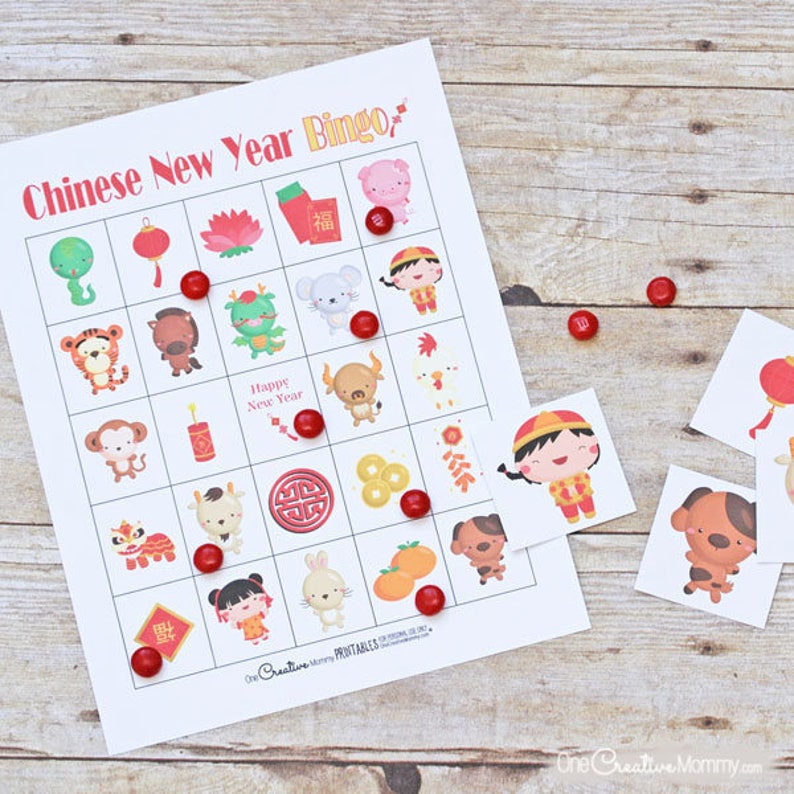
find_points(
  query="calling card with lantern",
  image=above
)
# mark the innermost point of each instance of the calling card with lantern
(774, 485)
(753, 385)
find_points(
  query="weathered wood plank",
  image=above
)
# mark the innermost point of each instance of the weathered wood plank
(492, 63)
(653, 142)
(641, 182)
(640, 670)
(649, 383)
(741, 139)
(740, 25)
(592, 175)
(658, 143)
(623, 139)
(108, 777)
(610, 258)
(309, 777)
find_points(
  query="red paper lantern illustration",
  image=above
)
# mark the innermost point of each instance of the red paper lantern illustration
(777, 381)
(151, 243)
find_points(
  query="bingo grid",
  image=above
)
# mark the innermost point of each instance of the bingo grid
(230, 393)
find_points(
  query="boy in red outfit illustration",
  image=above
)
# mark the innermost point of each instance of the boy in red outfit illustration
(558, 447)
(416, 270)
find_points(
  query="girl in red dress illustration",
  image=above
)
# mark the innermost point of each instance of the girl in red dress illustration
(245, 604)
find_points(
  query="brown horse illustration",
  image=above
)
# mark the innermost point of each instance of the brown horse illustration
(176, 336)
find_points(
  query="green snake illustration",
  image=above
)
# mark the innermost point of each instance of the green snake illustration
(71, 258)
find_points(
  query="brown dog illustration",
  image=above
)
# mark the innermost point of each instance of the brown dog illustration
(481, 539)
(720, 529)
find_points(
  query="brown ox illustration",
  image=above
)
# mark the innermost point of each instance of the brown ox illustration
(355, 385)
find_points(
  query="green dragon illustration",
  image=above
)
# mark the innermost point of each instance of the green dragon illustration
(253, 316)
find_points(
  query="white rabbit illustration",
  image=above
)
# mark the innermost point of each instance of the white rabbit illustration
(323, 590)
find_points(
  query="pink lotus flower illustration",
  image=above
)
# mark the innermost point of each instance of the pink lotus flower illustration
(232, 234)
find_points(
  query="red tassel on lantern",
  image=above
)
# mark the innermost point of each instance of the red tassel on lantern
(777, 381)
(151, 243)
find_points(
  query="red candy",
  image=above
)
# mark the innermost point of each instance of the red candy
(583, 324)
(364, 325)
(379, 220)
(661, 291)
(430, 599)
(415, 503)
(208, 558)
(308, 423)
(195, 285)
(147, 662)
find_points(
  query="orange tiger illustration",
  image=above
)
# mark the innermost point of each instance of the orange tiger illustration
(95, 352)
(131, 542)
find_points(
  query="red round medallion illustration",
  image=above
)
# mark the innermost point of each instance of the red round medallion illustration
(301, 500)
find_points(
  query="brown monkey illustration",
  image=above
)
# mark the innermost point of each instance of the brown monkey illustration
(117, 441)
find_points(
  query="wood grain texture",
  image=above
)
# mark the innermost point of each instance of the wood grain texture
(604, 24)
(606, 142)
(640, 670)
(317, 778)
(130, 57)
(585, 201)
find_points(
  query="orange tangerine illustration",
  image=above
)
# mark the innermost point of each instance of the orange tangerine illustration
(393, 584)
(414, 559)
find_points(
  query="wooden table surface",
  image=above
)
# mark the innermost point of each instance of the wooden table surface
(607, 142)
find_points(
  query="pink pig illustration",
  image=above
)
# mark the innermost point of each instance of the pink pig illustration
(386, 183)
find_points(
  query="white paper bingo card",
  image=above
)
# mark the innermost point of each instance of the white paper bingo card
(169, 420)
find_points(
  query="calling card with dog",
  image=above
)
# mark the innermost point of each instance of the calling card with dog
(253, 331)
(701, 551)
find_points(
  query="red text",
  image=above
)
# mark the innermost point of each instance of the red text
(181, 170)
(48, 199)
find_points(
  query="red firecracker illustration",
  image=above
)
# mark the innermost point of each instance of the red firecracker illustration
(151, 243)
(457, 465)
(398, 117)
(282, 428)
(232, 234)
(777, 381)
(200, 438)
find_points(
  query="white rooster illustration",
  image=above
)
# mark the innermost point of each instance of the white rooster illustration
(436, 368)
